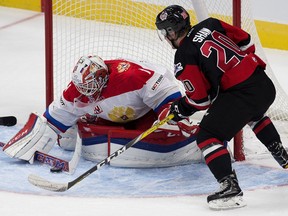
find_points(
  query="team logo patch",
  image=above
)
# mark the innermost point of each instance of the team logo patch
(184, 15)
(123, 66)
(163, 15)
(178, 67)
(122, 114)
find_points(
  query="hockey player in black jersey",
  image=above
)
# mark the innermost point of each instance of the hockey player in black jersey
(221, 74)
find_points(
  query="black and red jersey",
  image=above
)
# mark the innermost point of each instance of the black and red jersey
(213, 57)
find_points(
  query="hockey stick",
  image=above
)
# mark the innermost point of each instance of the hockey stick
(49, 160)
(60, 187)
(8, 120)
(58, 164)
(72, 164)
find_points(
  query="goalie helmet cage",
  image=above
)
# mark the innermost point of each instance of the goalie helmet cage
(126, 29)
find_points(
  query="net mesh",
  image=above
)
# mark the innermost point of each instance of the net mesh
(126, 29)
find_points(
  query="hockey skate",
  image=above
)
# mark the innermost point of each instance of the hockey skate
(279, 153)
(229, 196)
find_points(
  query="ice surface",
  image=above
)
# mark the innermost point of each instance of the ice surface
(114, 191)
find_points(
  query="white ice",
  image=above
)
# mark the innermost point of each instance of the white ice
(112, 191)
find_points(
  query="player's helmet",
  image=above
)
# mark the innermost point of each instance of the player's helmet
(90, 75)
(173, 18)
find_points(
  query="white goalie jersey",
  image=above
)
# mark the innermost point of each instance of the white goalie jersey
(133, 92)
(133, 89)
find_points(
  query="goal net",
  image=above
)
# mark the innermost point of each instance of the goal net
(126, 29)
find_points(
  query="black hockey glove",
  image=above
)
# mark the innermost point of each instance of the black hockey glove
(181, 109)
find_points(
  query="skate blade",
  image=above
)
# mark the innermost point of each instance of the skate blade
(227, 203)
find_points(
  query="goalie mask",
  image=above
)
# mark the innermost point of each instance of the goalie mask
(90, 75)
(172, 23)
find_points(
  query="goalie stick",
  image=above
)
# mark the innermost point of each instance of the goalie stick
(60, 187)
(72, 164)
(49, 160)
(8, 120)
(58, 164)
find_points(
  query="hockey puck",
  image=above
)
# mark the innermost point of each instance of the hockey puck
(8, 121)
(56, 169)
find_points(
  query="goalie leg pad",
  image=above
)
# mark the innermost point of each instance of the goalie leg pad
(36, 135)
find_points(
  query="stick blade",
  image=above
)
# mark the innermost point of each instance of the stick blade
(47, 185)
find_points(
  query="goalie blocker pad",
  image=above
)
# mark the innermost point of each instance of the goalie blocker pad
(159, 149)
(36, 135)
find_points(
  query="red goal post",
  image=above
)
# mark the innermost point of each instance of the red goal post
(125, 28)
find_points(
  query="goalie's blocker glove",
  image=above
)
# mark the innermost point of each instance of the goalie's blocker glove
(181, 109)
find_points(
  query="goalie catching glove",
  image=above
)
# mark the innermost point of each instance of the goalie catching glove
(185, 126)
(36, 135)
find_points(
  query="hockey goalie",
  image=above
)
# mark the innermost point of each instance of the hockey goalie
(108, 103)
